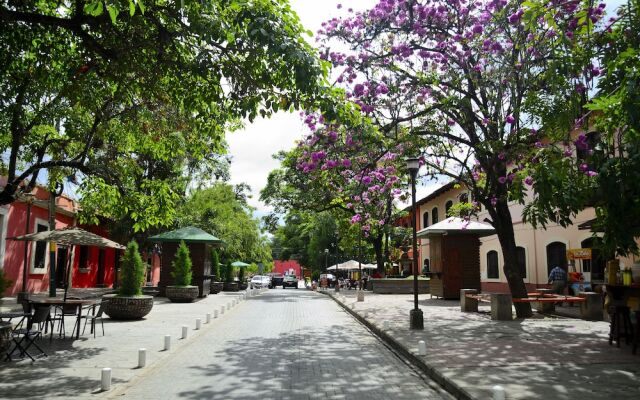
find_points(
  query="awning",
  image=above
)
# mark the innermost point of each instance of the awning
(458, 226)
(190, 234)
(239, 264)
(69, 237)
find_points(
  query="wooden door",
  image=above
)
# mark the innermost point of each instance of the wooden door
(452, 267)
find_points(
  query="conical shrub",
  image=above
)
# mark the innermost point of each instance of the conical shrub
(182, 266)
(132, 271)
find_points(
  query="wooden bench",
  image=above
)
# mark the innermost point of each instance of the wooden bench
(590, 303)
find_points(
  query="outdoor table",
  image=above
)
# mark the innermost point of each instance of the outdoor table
(56, 302)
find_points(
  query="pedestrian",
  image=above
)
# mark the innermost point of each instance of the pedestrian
(558, 280)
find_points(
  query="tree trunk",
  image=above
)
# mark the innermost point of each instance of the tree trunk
(377, 247)
(504, 228)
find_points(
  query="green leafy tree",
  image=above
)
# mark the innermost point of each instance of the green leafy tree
(127, 97)
(215, 264)
(181, 266)
(132, 271)
(221, 210)
(602, 172)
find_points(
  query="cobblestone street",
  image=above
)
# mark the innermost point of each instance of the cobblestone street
(284, 344)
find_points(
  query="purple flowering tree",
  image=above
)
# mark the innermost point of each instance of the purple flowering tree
(467, 76)
(351, 169)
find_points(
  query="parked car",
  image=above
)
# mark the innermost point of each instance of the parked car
(260, 281)
(276, 280)
(290, 281)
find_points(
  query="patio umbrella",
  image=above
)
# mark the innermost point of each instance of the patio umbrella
(239, 264)
(70, 236)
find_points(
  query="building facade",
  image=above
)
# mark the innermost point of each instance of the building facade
(539, 250)
(89, 266)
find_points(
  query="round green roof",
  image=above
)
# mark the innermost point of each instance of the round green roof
(189, 234)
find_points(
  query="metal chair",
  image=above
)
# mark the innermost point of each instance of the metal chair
(24, 338)
(60, 312)
(94, 318)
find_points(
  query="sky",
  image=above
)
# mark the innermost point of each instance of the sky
(252, 147)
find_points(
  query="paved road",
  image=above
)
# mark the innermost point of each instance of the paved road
(284, 344)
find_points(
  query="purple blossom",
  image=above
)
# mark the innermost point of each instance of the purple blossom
(502, 180)
(346, 163)
(510, 119)
(494, 201)
(528, 180)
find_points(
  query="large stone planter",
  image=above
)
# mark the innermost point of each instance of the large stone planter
(230, 287)
(216, 287)
(182, 294)
(126, 307)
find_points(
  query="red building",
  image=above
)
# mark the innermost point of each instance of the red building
(288, 267)
(90, 267)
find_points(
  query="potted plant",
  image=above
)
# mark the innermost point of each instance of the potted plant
(182, 291)
(242, 285)
(227, 274)
(216, 282)
(129, 302)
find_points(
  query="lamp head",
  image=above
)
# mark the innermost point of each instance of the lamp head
(413, 165)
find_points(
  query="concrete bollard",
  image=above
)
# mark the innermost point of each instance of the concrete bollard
(422, 348)
(591, 308)
(167, 342)
(198, 323)
(360, 296)
(185, 331)
(208, 317)
(142, 358)
(385, 325)
(221, 310)
(498, 393)
(105, 383)
(215, 314)
(501, 307)
(468, 304)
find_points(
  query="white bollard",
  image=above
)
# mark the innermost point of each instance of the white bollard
(215, 314)
(222, 310)
(208, 317)
(198, 323)
(142, 358)
(498, 393)
(385, 325)
(422, 348)
(167, 342)
(365, 314)
(228, 306)
(185, 331)
(353, 306)
(106, 379)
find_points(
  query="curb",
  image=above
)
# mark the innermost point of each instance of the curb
(447, 384)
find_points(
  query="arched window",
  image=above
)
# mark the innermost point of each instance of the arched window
(425, 219)
(434, 215)
(556, 256)
(521, 254)
(447, 206)
(493, 270)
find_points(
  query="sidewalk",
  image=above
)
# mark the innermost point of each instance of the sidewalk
(542, 357)
(73, 368)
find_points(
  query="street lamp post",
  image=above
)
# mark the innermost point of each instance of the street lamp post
(415, 315)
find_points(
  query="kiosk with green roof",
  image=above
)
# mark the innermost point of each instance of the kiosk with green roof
(199, 243)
